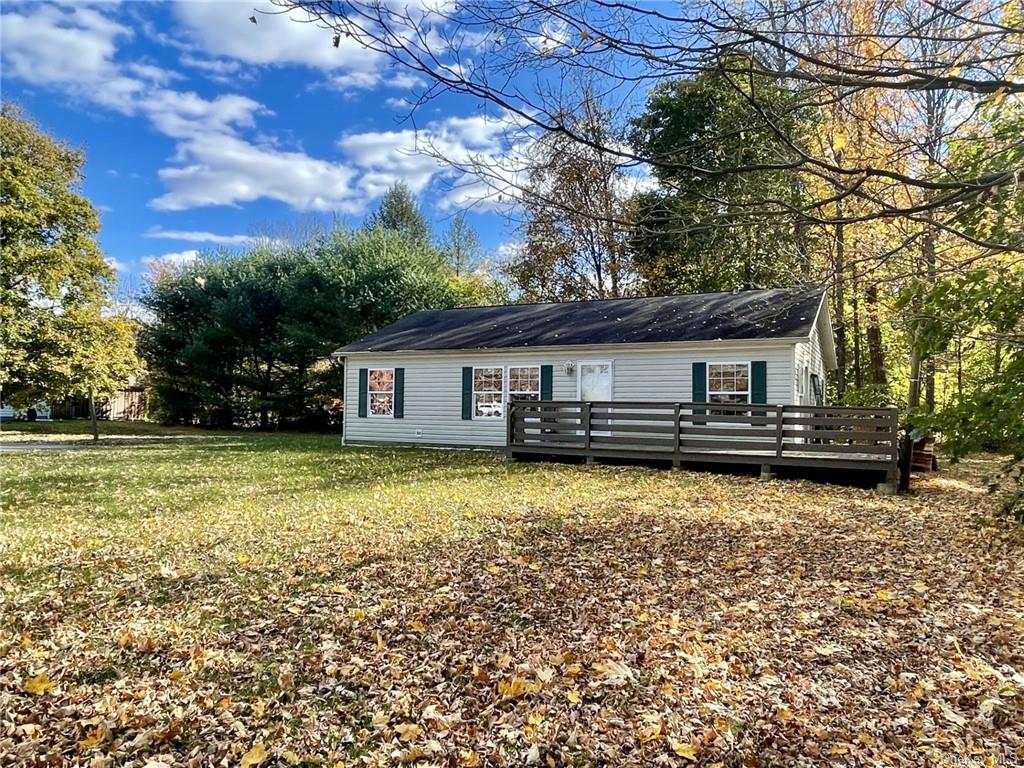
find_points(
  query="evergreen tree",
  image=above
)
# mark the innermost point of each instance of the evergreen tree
(399, 212)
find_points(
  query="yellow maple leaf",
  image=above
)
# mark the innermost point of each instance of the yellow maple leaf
(39, 684)
(839, 141)
(650, 733)
(95, 736)
(574, 696)
(418, 626)
(468, 759)
(784, 713)
(513, 688)
(408, 731)
(254, 756)
(684, 750)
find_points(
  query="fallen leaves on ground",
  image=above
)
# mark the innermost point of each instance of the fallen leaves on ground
(263, 601)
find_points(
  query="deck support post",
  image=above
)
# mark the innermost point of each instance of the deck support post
(677, 430)
(510, 432)
(766, 472)
(779, 414)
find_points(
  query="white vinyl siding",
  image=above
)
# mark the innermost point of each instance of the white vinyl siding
(433, 385)
(808, 354)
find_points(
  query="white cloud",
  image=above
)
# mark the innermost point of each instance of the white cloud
(173, 260)
(508, 251)
(227, 71)
(114, 264)
(441, 150)
(74, 50)
(220, 169)
(199, 237)
(223, 30)
(55, 45)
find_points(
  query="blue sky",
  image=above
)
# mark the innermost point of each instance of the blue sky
(201, 129)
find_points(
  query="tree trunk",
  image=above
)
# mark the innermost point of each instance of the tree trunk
(840, 329)
(928, 253)
(959, 369)
(876, 353)
(92, 416)
(858, 369)
(264, 412)
(929, 386)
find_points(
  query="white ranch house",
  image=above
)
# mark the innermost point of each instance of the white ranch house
(444, 377)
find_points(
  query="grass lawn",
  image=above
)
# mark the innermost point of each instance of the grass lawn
(236, 599)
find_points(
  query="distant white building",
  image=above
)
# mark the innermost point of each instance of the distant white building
(9, 413)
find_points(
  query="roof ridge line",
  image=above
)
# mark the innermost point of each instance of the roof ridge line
(793, 288)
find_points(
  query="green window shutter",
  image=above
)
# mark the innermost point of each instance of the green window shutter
(364, 384)
(545, 382)
(467, 393)
(759, 383)
(399, 393)
(700, 382)
(699, 386)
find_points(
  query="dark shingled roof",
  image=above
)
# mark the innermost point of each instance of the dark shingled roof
(763, 314)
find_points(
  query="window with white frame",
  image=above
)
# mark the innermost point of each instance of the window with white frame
(488, 391)
(524, 382)
(381, 390)
(729, 382)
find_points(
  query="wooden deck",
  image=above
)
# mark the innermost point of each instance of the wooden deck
(830, 437)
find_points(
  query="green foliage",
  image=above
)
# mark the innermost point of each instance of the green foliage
(575, 200)
(867, 396)
(399, 212)
(246, 339)
(994, 147)
(696, 231)
(478, 289)
(54, 283)
(460, 245)
(989, 415)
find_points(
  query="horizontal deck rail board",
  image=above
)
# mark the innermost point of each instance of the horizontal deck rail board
(838, 448)
(840, 434)
(836, 410)
(750, 432)
(862, 422)
(551, 422)
(715, 418)
(599, 439)
(708, 433)
(729, 445)
(631, 416)
(520, 435)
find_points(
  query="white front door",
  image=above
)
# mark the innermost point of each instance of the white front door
(595, 380)
(595, 385)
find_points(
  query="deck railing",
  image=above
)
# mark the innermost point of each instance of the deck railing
(770, 435)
